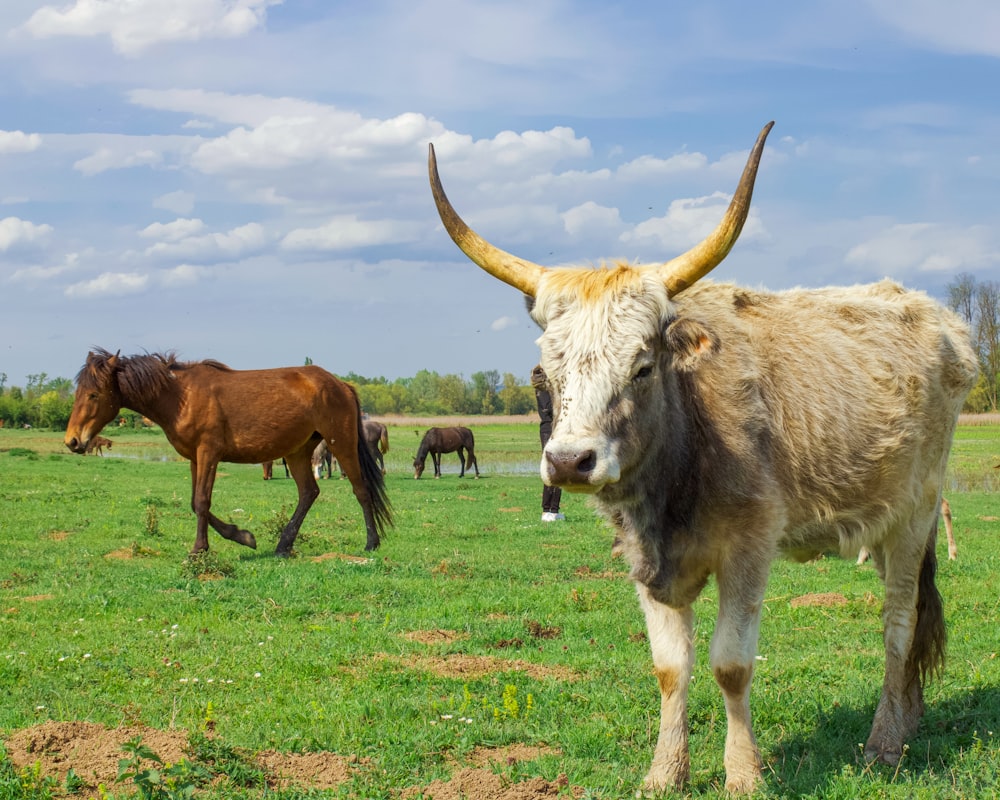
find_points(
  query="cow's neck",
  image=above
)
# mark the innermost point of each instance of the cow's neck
(652, 507)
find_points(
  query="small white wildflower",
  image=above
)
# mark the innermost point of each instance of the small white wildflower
(86, 655)
(256, 674)
(174, 627)
(62, 658)
(210, 680)
(446, 716)
(269, 638)
(183, 680)
(434, 722)
(39, 708)
(194, 680)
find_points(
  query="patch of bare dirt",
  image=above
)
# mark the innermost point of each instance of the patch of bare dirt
(436, 636)
(481, 784)
(472, 667)
(342, 557)
(38, 598)
(819, 599)
(93, 751)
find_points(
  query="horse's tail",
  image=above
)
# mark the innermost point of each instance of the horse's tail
(927, 651)
(383, 440)
(374, 481)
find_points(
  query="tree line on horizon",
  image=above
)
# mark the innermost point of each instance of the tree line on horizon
(45, 402)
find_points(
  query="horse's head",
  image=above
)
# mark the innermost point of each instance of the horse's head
(98, 399)
(418, 467)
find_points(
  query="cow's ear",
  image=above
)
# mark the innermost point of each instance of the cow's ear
(690, 342)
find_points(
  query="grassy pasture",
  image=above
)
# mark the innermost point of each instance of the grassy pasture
(414, 658)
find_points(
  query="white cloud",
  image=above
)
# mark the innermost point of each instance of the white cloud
(19, 142)
(15, 231)
(182, 275)
(180, 202)
(689, 221)
(502, 323)
(231, 244)
(650, 167)
(172, 231)
(590, 218)
(109, 284)
(135, 25)
(108, 158)
(347, 231)
(928, 247)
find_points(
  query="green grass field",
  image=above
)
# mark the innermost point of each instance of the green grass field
(474, 626)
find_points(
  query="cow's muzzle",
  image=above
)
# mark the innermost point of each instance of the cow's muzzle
(578, 466)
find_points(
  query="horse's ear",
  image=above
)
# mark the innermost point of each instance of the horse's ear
(113, 361)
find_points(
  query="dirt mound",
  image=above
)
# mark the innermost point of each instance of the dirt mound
(93, 752)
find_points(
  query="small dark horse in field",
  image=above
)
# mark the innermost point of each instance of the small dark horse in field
(446, 440)
(377, 438)
(97, 445)
(211, 413)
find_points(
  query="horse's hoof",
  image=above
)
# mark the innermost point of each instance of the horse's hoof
(283, 553)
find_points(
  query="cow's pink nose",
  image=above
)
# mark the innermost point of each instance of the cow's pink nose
(570, 466)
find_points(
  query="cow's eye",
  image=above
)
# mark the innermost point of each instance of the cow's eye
(642, 373)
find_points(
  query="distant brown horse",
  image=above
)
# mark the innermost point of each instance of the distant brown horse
(446, 440)
(211, 413)
(377, 439)
(97, 444)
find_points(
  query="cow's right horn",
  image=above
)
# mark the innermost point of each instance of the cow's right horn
(679, 273)
(514, 271)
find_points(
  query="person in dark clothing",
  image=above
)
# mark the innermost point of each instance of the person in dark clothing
(550, 494)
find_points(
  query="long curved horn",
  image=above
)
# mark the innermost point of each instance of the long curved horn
(681, 272)
(514, 271)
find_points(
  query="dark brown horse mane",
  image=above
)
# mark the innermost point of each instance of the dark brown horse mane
(137, 376)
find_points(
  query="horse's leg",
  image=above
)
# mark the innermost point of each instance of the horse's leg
(202, 482)
(436, 458)
(351, 467)
(300, 465)
(473, 462)
(461, 462)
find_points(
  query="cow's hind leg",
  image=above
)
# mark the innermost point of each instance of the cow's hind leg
(914, 635)
(672, 646)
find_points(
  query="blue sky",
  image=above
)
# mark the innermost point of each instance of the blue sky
(246, 180)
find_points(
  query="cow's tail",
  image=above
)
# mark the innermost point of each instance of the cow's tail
(929, 639)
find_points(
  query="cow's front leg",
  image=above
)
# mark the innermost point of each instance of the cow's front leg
(671, 643)
(733, 650)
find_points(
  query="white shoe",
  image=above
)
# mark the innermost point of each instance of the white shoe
(548, 516)
(558, 516)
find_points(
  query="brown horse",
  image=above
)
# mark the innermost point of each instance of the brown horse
(377, 439)
(211, 413)
(446, 440)
(97, 444)
(269, 469)
(376, 436)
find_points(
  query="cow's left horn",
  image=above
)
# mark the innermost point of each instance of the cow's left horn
(679, 273)
(514, 271)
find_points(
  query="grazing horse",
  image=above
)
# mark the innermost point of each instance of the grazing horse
(97, 444)
(211, 413)
(446, 440)
(377, 439)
